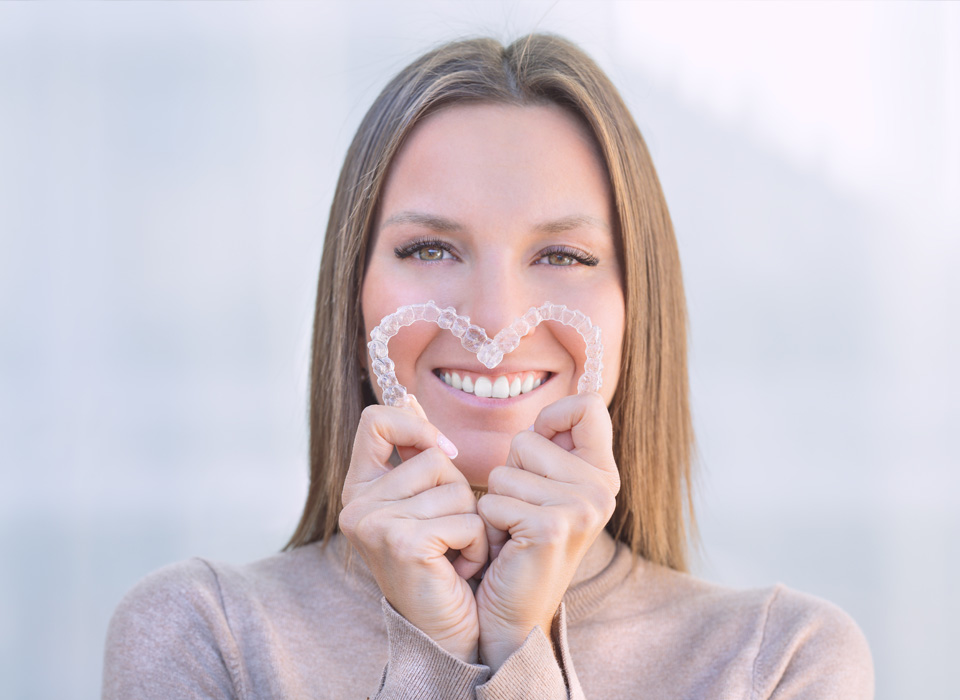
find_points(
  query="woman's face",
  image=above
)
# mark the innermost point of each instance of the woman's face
(493, 209)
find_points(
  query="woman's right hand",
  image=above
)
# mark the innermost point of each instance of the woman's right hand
(404, 520)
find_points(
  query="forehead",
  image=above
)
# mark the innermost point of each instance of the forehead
(484, 159)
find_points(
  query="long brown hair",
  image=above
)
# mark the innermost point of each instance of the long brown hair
(653, 437)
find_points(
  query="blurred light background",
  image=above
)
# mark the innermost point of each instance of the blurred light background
(165, 173)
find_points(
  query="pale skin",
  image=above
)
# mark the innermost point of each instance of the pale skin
(491, 209)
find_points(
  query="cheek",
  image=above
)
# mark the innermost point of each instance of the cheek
(611, 364)
(407, 347)
(612, 324)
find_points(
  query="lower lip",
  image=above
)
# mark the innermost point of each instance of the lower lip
(481, 402)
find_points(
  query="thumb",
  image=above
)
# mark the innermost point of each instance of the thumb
(443, 442)
(414, 405)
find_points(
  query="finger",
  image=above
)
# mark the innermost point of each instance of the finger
(425, 471)
(527, 485)
(463, 532)
(587, 419)
(534, 453)
(409, 525)
(382, 428)
(440, 501)
(413, 404)
(442, 441)
(496, 537)
(505, 514)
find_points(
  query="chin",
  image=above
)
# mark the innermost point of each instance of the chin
(479, 454)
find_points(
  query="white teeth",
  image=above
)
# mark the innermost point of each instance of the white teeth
(483, 388)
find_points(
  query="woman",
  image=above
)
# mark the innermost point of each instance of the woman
(525, 544)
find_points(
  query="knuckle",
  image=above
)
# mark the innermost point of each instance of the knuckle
(483, 508)
(497, 478)
(396, 538)
(522, 440)
(558, 529)
(360, 525)
(369, 415)
(364, 529)
(472, 523)
(404, 543)
(346, 521)
(609, 508)
(434, 456)
(443, 466)
(595, 400)
(614, 482)
(466, 502)
(431, 461)
(583, 516)
(606, 503)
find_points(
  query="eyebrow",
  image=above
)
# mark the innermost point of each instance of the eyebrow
(566, 223)
(444, 225)
(430, 221)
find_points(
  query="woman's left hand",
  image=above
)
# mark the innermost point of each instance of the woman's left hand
(542, 512)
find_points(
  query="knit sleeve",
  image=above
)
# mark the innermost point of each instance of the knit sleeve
(419, 668)
(169, 638)
(534, 671)
(811, 650)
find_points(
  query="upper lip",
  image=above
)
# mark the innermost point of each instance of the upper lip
(497, 371)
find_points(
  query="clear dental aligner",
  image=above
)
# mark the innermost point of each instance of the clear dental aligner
(489, 351)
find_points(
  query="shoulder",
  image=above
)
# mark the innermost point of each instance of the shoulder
(185, 584)
(198, 591)
(170, 634)
(205, 629)
(811, 643)
(188, 628)
(758, 643)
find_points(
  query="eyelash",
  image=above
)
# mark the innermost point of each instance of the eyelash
(419, 244)
(582, 258)
(578, 255)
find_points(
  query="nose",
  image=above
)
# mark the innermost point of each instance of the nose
(493, 296)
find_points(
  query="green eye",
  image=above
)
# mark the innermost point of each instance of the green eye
(430, 253)
(560, 259)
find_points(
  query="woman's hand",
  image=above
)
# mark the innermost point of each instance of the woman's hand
(404, 520)
(542, 512)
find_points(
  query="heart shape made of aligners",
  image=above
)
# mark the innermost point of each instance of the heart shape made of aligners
(489, 351)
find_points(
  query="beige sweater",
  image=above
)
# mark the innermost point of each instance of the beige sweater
(304, 624)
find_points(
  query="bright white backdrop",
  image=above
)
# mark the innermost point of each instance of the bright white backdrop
(165, 172)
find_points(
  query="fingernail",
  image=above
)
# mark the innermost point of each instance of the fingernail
(448, 447)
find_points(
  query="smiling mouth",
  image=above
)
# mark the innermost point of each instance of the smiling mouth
(499, 387)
